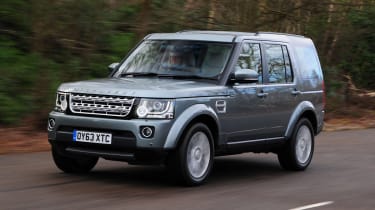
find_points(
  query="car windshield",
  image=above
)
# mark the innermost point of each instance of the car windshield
(178, 58)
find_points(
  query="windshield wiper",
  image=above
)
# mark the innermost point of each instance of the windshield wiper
(139, 74)
(187, 76)
(152, 74)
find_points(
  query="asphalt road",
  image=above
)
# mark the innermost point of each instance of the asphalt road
(342, 173)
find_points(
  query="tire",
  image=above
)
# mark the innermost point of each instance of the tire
(68, 164)
(193, 160)
(298, 151)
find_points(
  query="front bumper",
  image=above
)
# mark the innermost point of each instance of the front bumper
(127, 142)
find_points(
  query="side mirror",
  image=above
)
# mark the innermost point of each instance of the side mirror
(112, 67)
(245, 75)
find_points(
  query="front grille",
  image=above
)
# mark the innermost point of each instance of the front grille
(91, 104)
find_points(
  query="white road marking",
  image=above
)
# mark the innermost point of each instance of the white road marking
(313, 205)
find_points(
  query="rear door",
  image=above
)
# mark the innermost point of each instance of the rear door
(281, 94)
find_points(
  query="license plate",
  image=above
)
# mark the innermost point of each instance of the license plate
(92, 137)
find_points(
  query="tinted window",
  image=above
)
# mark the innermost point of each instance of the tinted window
(308, 63)
(278, 63)
(288, 67)
(250, 58)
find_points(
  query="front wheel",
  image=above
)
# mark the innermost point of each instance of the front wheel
(298, 152)
(193, 159)
(68, 164)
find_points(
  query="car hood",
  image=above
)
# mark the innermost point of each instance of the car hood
(145, 87)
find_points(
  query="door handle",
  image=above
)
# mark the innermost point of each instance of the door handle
(262, 95)
(296, 92)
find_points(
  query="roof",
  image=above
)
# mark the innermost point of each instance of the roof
(224, 36)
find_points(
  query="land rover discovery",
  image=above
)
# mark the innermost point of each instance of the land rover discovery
(183, 98)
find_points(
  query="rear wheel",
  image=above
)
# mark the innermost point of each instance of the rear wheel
(193, 160)
(68, 164)
(297, 153)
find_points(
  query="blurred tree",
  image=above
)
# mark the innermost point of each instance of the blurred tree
(44, 42)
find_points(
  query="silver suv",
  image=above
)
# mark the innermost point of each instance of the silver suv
(182, 98)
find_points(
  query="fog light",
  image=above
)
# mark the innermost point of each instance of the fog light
(147, 131)
(51, 123)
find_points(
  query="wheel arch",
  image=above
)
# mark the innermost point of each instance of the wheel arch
(304, 110)
(210, 122)
(194, 114)
(310, 115)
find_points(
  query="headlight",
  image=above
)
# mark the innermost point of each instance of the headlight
(61, 101)
(156, 108)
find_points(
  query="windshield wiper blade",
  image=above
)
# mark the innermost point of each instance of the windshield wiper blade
(152, 74)
(139, 74)
(187, 76)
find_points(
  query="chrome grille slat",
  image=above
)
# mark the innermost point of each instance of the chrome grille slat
(92, 104)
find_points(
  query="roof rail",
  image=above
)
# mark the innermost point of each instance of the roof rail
(277, 33)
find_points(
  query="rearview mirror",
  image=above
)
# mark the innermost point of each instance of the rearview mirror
(112, 67)
(245, 75)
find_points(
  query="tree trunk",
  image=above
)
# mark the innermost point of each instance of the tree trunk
(211, 15)
(144, 18)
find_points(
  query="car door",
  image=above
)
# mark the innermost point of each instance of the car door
(279, 87)
(246, 106)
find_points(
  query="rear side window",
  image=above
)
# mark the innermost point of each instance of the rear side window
(308, 63)
(279, 68)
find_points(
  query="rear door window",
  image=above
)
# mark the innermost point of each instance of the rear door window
(279, 69)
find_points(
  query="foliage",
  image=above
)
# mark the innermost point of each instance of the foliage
(44, 43)
(361, 60)
(20, 74)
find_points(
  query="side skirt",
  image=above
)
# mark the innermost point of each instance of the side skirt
(256, 145)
